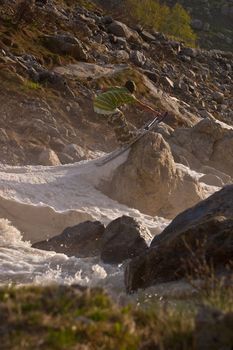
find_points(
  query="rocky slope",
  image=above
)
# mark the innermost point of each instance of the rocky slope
(50, 72)
(210, 20)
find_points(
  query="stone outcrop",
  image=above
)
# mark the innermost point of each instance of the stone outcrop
(82, 240)
(210, 222)
(150, 181)
(124, 238)
(167, 260)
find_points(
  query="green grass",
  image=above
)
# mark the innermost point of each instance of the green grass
(60, 317)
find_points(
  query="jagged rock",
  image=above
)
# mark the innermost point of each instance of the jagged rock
(82, 240)
(160, 188)
(66, 44)
(210, 221)
(49, 157)
(213, 330)
(124, 238)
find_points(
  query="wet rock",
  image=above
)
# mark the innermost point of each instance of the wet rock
(165, 259)
(213, 330)
(124, 238)
(49, 157)
(82, 240)
(210, 221)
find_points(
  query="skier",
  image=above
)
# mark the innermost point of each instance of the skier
(108, 103)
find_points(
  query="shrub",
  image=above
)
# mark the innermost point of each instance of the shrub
(173, 21)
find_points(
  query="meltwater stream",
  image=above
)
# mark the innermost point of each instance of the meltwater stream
(38, 202)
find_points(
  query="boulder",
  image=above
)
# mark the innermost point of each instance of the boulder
(209, 223)
(122, 30)
(82, 240)
(150, 180)
(218, 204)
(66, 44)
(124, 238)
(49, 157)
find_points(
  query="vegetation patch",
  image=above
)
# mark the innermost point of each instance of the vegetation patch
(62, 317)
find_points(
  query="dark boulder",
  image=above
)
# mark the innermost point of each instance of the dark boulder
(82, 240)
(124, 238)
(209, 223)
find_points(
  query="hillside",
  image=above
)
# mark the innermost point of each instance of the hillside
(212, 21)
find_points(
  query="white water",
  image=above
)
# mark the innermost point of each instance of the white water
(40, 202)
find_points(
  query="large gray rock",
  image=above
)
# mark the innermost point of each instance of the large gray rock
(82, 240)
(210, 221)
(124, 238)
